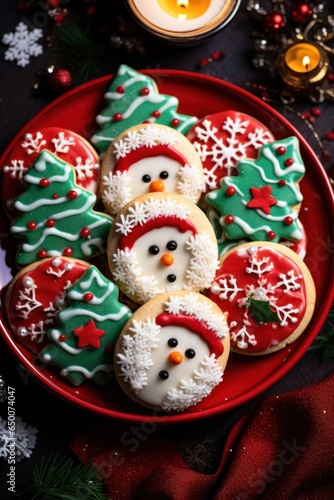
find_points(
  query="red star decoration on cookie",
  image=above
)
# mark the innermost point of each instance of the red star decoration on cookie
(89, 335)
(262, 199)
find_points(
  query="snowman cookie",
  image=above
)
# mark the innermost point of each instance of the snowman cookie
(268, 294)
(173, 351)
(82, 342)
(222, 139)
(149, 158)
(34, 296)
(161, 242)
(63, 143)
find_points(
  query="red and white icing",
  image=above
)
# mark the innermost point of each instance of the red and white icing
(264, 274)
(36, 295)
(191, 323)
(63, 143)
(148, 160)
(222, 139)
(158, 221)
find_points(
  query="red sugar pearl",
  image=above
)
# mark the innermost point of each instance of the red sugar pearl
(50, 223)
(288, 221)
(316, 112)
(55, 196)
(288, 162)
(282, 183)
(229, 219)
(67, 252)
(144, 91)
(330, 136)
(42, 253)
(85, 232)
(120, 89)
(44, 182)
(117, 117)
(281, 150)
(31, 225)
(175, 122)
(62, 338)
(271, 235)
(156, 113)
(109, 349)
(72, 194)
(230, 191)
(88, 296)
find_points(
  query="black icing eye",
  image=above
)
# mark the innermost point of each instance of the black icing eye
(190, 353)
(172, 342)
(163, 374)
(164, 174)
(171, 278)
(146, 178)
(171, 245)
(154, 249)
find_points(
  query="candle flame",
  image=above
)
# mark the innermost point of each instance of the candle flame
(306, 61)
(182, 3)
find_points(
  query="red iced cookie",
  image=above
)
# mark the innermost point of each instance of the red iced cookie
(222, 139)
(34, 296)
(63, 143)
(268, 293)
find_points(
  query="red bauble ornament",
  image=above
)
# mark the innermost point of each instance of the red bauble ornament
(274, 21)
(301, 12)
(59, 80)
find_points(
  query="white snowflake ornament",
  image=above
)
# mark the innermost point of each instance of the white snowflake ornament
(17, 441)
(22, 44)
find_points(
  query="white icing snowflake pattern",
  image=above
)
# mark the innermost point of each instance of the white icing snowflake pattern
(226, 154)
(22, 44)
(226, 287)
(22, 439)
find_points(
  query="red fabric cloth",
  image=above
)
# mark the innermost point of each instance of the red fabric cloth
(282, 449)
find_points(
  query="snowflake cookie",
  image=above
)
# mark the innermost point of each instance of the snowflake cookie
(61, 142)
(22, 44)
(82, 341)
(267, 292)
(148, 158)
(224, 138)
(262, 202)
(161, 242)
(35, 295)
(133, 98)
(173, 351)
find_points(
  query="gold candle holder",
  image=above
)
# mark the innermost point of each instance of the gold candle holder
(302, 66)
(182, 21)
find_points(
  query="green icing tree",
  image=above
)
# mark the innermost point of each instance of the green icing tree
(82, 344)
(56, 214)
(133, 98)
(258, 203)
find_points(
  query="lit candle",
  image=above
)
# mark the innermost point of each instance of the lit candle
(183, 20)
(302, 65)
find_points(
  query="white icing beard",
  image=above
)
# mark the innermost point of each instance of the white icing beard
(156, 389)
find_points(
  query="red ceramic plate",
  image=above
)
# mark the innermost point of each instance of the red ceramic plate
(245, 377)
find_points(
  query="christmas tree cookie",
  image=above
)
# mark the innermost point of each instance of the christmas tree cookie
(56, 214)
(83, 342)
(268, 294)
(262, 201)
(134, 98)
(173, 351)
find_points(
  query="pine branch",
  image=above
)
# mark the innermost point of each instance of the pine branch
(325, 340)
(59, 479)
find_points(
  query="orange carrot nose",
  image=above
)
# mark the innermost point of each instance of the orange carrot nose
(157, 186)
(167, 259)
(175, 358)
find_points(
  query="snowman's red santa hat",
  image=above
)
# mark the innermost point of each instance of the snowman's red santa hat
(141, 153)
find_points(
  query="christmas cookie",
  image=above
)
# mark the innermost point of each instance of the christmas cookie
(159, 243)
(149, 158)
(133, 98)
(222, 139)
(34, 296)
(262, 201)
(267, 292)
(63, 143)
(56, 215)
(224, 244)
(82, 342)
(173, 351)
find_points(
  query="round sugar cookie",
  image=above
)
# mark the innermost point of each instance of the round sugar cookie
(222, 139)
(34, 296)
(268, 294)
(161, 242)
(173, 351)
(67, 145)
(149, 158)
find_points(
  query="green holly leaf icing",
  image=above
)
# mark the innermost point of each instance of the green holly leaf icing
(134, 98)
(94, 304)
(275, 173)
(56, 214)
(261, 312)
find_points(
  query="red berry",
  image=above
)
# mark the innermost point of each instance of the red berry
(288, 162)
(175, 122)
(72, 194)
(42, 254)
(117, 117)
(282, 183)
(67, 252)
(271, 235)
(281, 150)
(229, 219)
(44, 182)
(156, 113)
(230, 191)
(31, 226)
(85, 232)
(120, 89)
(144, 91)
(50, 223)
(62, 337)
(88, 296)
